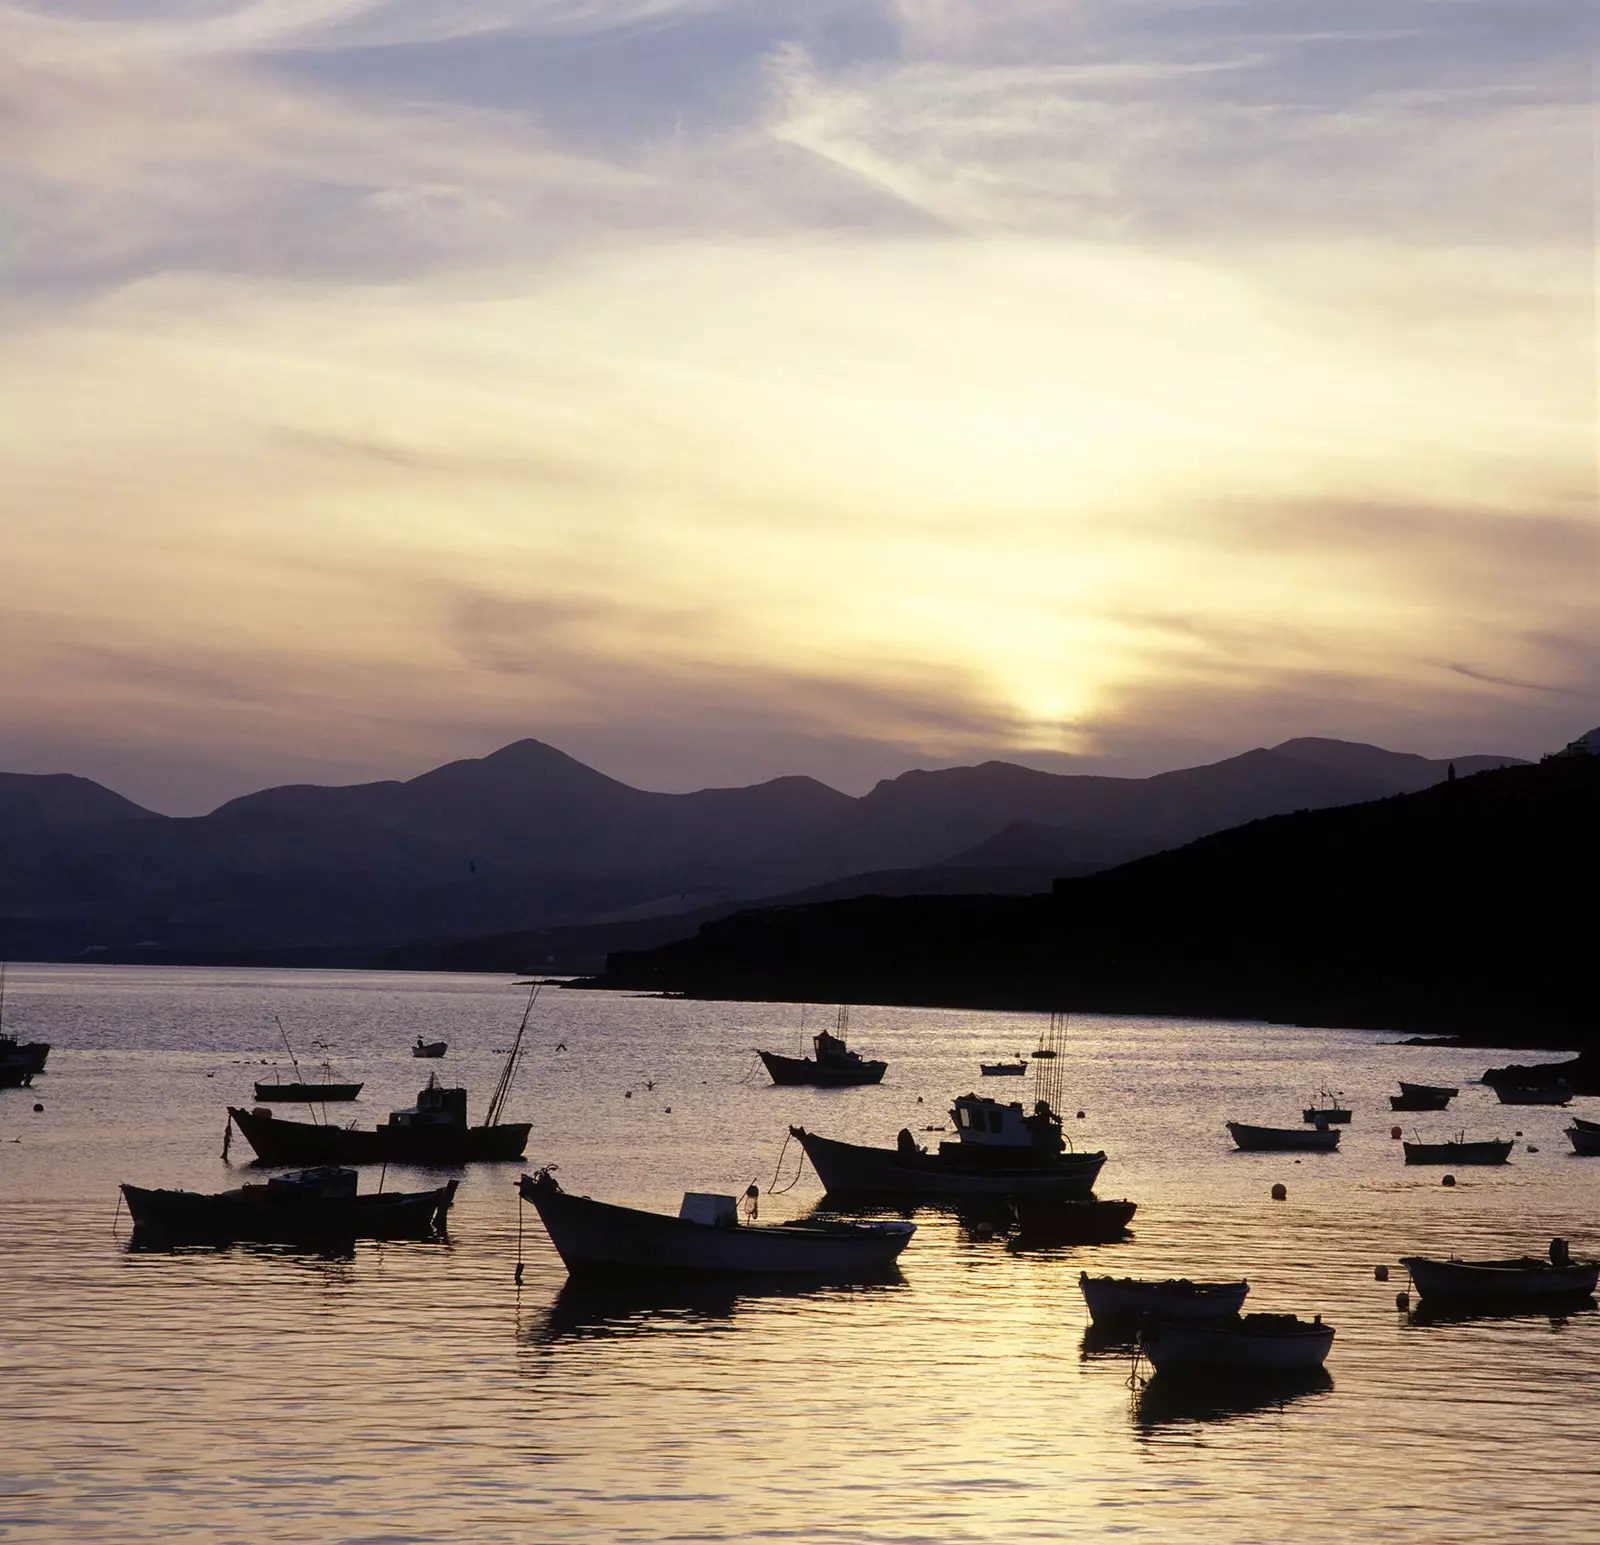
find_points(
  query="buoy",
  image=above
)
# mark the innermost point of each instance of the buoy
(1381, 1273)
(668, 1109)
(1396, 1133)
(1280, 1192)
(1533, 1147)
(37, 1106)
(983, 1231)
(1080, 1115)
(1519, 1134)
(1449, 1180)
(1402, 1300)
(627, 1094)
(919, 1099)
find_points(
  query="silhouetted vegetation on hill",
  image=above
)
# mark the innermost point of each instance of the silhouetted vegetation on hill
(1468, 905)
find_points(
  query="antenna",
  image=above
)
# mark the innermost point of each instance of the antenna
(497, 1101)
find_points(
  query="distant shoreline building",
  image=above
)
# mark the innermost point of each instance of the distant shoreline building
(1584, 745)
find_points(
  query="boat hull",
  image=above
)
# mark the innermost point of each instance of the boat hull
(1281, 1139)
(1524, 1279)
(1446, 1090)
(793, 1071)
(1419, 1102)
(1584, 1142)
(1334, 1117)
(601, 1238)
(1511, 1094)
(277, 1141)
(844, 1168)
(1458, 1153)
(311, 1094)
(430, 1049)
(1072, 1220)
(191, 1217)
(1179, 1348)
(1002, 1069)
(1125, 1300)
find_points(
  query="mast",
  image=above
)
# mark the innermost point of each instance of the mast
(1048, 1072)
(497, 1101)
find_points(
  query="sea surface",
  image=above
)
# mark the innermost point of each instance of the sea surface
(413, 1392)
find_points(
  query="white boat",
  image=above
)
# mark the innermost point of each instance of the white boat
(706, 1236)
(1134, 1298)
(1521, 1277)
(1283, 1139)
(1250, 1343)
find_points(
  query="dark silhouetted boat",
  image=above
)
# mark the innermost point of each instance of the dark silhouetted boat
(835, 1066)
(310, 1094)
(706, 1237)
(1122, 1300)
(1460, 1151)
(1530, 1094)
(1584, 1137)
(309, 1206)
(20, 1061)
(1329, 1112)
(1003, 1069)
(429, 1048)
(1071, 1220)
(1282, 1139)
(1523, 1279)
(1247, 1343)
(1422, 1097)
(999, 1151)
(1445, 1091)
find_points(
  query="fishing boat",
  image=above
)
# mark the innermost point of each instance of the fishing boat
(310, 1094)
(1247, 1343)
(1527, 1094)
(20, 1061)
(1282, 1139)
(1585, 1138)
(1328, 1111)
(1003, 1069)
(834, 1066)
(706, 1237)
(1122, 1300)
(1524, 1278)
(1460, 1151)
(310, 1205)
(433, 1131)
(429, 1048)
(1071, 1220)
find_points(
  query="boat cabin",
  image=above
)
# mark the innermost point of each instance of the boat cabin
(435, 1107)
(985, 1123)
(831, 1048)
(328, 1182)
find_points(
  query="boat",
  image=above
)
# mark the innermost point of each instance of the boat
(429, 1048)
(835, 1066)
(1526, 1094)
(1071, 1220)
(20, 1061)
(706, 1237)
(1003, 1069)
(433, 1131)
(1329, 1112)
(1584, 1140)
(1585, 1126)
(1125, 1299)
(1581, 1074)
(310, 1094)
(314, 1204)
(1460, 1151)
(1282, 1139)
(1419, 1097)
(1247, 1343)
(1523, 1278)
(1423, 1090)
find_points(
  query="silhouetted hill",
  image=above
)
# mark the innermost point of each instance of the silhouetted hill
(52, 801)
(1465, 905)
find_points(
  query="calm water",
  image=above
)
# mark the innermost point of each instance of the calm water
(411, 1392)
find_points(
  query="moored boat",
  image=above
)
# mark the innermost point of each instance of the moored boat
(1248, 1343)
(1072, 1220)
(1489, 1151)
(1420, 1099)
(20, 1061)
(834, 1066)
(429, 1048)
(999, 1151)
(1003, 1069)
(309, 1094)
(1123, 1300)
(1584, 1138)
(1584, 1125)
(1446, 1090)
(1527, 1094)
(1327, 1111)
(316, 1204)
(706, 1237)
(1282, 1139)
(1524, 1278)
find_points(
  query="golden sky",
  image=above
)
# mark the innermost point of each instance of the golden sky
(717, 390)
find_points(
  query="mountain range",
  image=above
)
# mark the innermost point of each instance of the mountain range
(529, 838)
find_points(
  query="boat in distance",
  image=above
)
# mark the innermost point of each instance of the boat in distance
(1251, 1139)
(1490, 1151)
(1247, 1343)
(433, 1131)
(1525, 1094)
(1002, 1069)
(310, 1205)
(1122, 1300)
(706, 1237)
(429, 1048)
(1521, 1278)
(999, 1151)
(307, 1094)
(834, 1066)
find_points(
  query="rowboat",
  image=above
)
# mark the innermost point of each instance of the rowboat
(1003, 1069)
(1419, 1101)
(1522, 1277)
(1584, 1140)
(1125, 1299)
(706, 1237)
(1491, 1151)
(429, 1048)
(1250, 1343)
(316, 1204)
(1525, 1094)
(1071, 1220)
(1282, 1139)
(1327, 1112)
(1585, 1126)
(999, 1151)
(308, 1094)
(1443, 1090)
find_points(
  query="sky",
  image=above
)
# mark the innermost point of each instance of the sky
(718, 389)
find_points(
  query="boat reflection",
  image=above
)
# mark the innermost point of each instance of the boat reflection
(606, 1308)
(1455, 1312)
(1103, 1342)
(1168, 1400)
